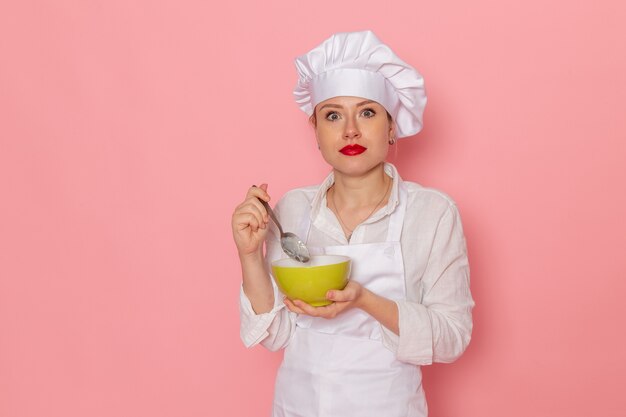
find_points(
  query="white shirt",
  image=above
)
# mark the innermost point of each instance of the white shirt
(435, 319)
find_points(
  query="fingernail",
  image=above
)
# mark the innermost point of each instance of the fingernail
(330, 294)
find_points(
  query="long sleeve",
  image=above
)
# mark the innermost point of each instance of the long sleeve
(435, 320)
(272, 329)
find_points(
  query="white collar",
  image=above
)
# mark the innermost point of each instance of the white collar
(319, 200)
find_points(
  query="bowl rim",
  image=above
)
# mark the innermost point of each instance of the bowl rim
(339, 259)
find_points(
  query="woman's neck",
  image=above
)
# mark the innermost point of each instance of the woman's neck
(351, 192)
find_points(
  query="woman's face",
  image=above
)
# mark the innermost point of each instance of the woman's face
(353, 133)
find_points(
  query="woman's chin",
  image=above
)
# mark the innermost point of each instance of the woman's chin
(356, 167)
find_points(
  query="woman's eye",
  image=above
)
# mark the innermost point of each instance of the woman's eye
(368, 113)
(332, 116)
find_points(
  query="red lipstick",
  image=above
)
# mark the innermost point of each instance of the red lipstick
(352, 150)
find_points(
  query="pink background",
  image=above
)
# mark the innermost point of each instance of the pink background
(129, 130)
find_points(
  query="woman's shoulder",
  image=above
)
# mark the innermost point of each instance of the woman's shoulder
(428, 197)
(299, 195)
(297, 201)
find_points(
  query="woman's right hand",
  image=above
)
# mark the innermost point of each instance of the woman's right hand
(250, 221)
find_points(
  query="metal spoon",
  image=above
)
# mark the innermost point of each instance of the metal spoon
(291, 244)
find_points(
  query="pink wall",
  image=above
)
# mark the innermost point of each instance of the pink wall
(129, 131)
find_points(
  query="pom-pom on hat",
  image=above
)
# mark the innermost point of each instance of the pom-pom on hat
(358, 64)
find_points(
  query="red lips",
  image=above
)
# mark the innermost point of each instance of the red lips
(351, 150)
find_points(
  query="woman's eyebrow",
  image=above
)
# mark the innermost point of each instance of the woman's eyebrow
(336, 106)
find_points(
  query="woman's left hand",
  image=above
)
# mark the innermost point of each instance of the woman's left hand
(349, 297)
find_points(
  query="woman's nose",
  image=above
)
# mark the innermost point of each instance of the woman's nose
(351, 130)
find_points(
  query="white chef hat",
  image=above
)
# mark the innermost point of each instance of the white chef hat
(358, 64)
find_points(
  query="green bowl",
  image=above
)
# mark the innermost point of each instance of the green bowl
(310, 281)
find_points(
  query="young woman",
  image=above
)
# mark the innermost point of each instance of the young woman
(408, 302)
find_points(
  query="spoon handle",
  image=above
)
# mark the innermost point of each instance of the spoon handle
(271, 213)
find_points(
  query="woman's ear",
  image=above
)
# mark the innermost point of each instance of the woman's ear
(313, 119)
(392, 133)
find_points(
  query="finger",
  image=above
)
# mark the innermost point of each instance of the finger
(309, 309)
(259, 192)
(340, 296)
(260, 207)
(245, 220)
(291, 306)
(249, 202)
(326, 312)
(255, 207)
